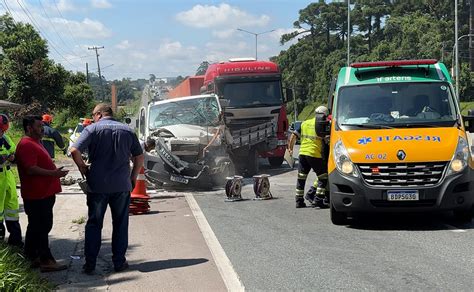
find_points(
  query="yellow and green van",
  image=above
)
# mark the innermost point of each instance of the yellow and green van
(398, 141)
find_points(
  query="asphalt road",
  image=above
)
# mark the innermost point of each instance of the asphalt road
(274, 246)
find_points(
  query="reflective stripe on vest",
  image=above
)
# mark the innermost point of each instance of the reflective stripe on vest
(311, 144)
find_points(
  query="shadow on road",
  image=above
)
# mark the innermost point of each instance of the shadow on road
(147, 267)
(408, 222)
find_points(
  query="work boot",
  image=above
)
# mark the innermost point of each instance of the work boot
(300, 202)
(88, 269)
(122, 267)
(2, 231)
(51, 265)
(321, 202)
(310, 198)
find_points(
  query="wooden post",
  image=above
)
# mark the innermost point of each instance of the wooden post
(114, 98)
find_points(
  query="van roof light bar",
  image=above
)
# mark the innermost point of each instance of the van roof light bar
(394, 63)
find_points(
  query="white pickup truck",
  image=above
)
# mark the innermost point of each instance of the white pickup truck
(187, 141)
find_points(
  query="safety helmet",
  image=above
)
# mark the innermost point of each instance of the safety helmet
(86, 122)
(4, 122)
(322, 110)
(47, 119)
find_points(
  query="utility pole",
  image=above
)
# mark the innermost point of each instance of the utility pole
(98, 69)
(87, 73)
(471, 35)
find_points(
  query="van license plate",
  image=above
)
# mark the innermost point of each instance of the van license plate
(179, 179)
(402, 196)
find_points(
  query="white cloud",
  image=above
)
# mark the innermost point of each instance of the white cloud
(206, 16)
(123, 45)
(174, 50)
(86, 29)
(101, 4)
(65, 5)
(223, 34)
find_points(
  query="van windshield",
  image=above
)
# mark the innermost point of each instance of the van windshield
(396, 105)
(252, 94)
(198, 111)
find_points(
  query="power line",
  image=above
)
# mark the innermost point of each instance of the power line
(54, 28)
(67, 25)
(43, 33)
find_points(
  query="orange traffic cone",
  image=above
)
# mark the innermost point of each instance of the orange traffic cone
(139, 198)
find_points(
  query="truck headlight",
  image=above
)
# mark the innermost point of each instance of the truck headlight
(343, 163)
(460, 158)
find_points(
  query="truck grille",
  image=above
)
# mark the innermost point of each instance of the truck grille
(402, 174)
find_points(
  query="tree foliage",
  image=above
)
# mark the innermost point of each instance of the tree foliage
(29, 77)
(380, 30)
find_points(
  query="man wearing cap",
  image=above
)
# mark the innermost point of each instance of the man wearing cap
(9, 207)
(311, 156)
(51, 136)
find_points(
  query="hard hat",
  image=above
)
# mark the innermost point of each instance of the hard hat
(321, 110)
(86, 122)
(4, 123)
(47, 118)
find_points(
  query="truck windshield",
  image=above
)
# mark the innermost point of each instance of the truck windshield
(198, 111)
(397, 105)
(252, 94)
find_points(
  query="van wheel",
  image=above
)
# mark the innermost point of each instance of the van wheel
(275, 161)
(338, 218)
(463, 215)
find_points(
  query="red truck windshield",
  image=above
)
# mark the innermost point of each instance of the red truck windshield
(252, 94)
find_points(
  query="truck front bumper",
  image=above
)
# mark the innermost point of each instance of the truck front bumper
(353, 195)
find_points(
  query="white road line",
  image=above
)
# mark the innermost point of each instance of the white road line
(454, 229)
(228, 274)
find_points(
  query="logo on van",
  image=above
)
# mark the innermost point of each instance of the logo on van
(401, 155)
(409, 138)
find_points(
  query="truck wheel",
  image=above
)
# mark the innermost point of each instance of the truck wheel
(463, 215)
(252, 162)
(338, 218)
(275, 161)
(220, 179)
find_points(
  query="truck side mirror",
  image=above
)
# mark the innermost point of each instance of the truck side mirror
(288, 94)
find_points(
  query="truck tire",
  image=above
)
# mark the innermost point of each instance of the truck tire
(252, 162)
(275, 161)
(338, 218)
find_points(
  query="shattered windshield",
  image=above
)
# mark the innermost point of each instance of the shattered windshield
(396, 105)
(199, 111)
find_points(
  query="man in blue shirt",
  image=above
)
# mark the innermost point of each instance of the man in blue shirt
(111, 145)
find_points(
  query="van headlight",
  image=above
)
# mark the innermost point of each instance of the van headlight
(343, 163)
(460, 157)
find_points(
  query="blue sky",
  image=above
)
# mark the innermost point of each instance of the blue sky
(163, 37)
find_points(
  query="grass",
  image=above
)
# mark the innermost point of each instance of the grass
(80, 220)
(16, 274)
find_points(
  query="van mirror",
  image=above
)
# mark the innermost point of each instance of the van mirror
(288, 94)
(224, 102)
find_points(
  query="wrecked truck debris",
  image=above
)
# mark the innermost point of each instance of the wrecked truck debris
(188, 143)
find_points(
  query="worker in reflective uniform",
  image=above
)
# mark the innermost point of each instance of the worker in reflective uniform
(51, 136)
(311, 157)
(9, 207)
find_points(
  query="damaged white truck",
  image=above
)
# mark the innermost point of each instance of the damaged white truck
(188, 142)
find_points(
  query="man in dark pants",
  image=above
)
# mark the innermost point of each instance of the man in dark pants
(311, 156)
(39, 185)
(51, 136)
(111, 145)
